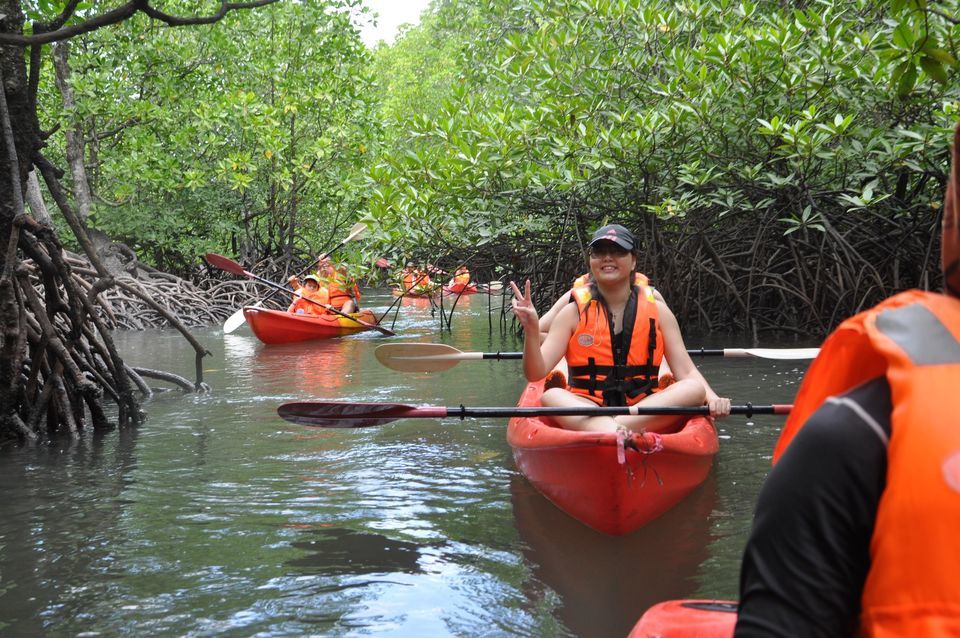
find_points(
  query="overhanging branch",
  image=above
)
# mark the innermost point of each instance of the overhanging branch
(120, 14)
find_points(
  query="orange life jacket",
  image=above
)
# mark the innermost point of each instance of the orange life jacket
(595, 371)
(414, 280)
(462, 278)
(335, 289)
(639, 279)
(914, 340)
(301, 305)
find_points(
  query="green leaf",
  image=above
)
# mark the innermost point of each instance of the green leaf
(940, 55)
(903, 37)
(934, 69)
(907, 81)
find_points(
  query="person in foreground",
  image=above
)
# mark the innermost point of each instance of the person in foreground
(856, 527)
(613, 340)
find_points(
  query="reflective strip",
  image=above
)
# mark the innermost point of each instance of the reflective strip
(864, 416)
(920, 334)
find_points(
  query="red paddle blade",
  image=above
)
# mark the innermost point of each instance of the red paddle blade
(336, 414)
(221, 262)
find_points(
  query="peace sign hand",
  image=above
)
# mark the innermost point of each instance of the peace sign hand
(523, 308)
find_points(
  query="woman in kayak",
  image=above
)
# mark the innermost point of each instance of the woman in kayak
(613, 339)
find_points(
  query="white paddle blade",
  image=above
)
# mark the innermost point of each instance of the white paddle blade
(234, 321)
(420, 357)
(356, 231)
(237, 319)
(783, 354)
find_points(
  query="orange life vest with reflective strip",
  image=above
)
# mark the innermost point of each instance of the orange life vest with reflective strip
(639, 279)
(914, 340)
(301, 305)
(595, 370)
(338, 296)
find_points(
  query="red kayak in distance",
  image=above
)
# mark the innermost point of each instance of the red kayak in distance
(280, 326)
(688, 619)
(612, 488)
(460, 289)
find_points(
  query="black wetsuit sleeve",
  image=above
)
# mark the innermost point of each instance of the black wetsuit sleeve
(807, 557)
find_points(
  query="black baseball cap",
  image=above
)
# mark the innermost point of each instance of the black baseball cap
(617, 234)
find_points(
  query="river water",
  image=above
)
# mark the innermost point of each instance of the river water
(217, 518)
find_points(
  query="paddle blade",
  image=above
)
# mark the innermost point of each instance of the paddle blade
(419, 357)
(783, 354)
(234, 321)
(356, 231)
(223, 263)
(336, 414)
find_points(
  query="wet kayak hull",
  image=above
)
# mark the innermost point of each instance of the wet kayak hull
(278, 326)
(688, 619)
(580, 472)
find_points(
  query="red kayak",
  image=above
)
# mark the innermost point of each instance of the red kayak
(460, 289)
(688, 619)
(279, 326)
(582, 472)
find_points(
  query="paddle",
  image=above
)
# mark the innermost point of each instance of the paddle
(236, 320)
(435, 357)
(344, 414)
(223, 263)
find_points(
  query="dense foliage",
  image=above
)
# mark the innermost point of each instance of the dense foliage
(247, 137)
(783, 160)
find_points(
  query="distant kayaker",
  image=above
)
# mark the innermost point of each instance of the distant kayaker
(305, 296)
(461, 278)
(343, 296)
(415, 280)
(855, 530)
(613, 340)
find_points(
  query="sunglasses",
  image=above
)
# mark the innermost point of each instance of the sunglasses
(608, 248)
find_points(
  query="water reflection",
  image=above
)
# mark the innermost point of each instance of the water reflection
(39, 557)
(317, 369)
(218, 518)
(606, 582)
(345, 552)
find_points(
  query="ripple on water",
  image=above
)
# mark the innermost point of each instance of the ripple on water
(218, 518)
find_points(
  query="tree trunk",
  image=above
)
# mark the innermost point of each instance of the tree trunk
(45, 368)
(72, 133)
(35, 200)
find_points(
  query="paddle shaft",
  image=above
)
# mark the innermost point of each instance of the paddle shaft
(233, 267)
(333, 414)
(437, 357)
(504, 356)
(703, 410)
